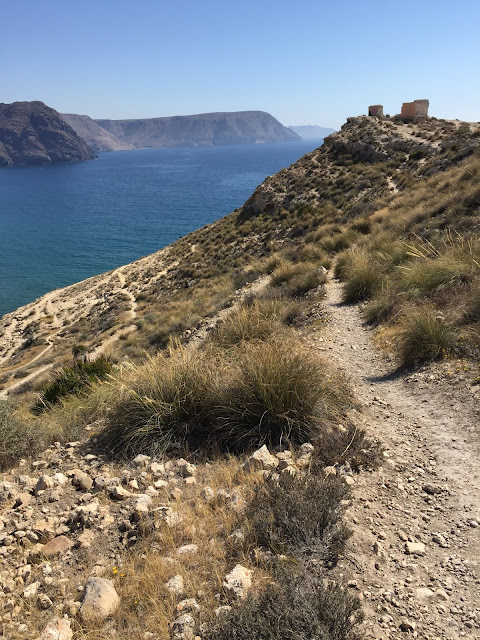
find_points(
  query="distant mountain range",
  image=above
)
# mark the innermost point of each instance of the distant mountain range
(32, 133)
(308, 131)
(205, 129)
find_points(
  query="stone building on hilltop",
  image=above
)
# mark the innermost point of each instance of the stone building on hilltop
(415, 111)
(376, 110)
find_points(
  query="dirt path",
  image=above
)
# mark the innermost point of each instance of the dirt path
(427, 492)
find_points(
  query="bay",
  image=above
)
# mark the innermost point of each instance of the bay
(60, 224)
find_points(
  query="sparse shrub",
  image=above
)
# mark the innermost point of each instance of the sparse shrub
(425, 335)
(297, 279)
(294, 605)
(337, 446)
(472, 312)
(255, 321)
(164, 405)
(72, 379)
(19, 438)
(362, 226)
(294, 514)
(382, 306)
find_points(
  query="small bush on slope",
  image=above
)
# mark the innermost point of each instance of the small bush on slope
(70, 380)
(293, 606)
(18, 438)
(292, 515)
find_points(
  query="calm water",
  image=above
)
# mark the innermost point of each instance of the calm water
(63, 223)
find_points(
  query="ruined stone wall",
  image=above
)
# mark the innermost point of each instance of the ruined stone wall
(376, 110)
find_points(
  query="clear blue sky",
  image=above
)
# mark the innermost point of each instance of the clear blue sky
(305, 62)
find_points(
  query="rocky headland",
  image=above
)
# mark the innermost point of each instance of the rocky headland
(32, 133)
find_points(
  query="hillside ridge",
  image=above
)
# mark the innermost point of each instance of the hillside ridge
(205, 129)
(33, 133)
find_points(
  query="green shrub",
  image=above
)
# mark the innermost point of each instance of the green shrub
(425, 335)
(294, 605)
(18, 438)
(71, 379)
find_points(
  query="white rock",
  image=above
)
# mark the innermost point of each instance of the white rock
(57, 629)
(208, 494)
(187, 548)
(100, 599)
(238, 581)
(141, 460)
(175, 585)
(415, 548)
(143, 503)
(183, 628)
(119, 493)
(261, 460)
(185, 468)
(157, 468)
(31, 590)
(60, 479)
(424, 593)
(188, 606)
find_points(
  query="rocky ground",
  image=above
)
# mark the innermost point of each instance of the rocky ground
(414, 555)
(70, 518)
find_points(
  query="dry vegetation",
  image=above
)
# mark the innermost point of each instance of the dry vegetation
(412, 257)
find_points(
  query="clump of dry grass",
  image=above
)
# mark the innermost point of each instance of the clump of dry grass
(260, 392)
(425, 335)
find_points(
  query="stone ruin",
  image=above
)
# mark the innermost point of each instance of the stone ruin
(376, 110)
(415, 111)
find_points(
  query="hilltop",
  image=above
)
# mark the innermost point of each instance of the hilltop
(32, 133)
(205, 129)
(268, 429)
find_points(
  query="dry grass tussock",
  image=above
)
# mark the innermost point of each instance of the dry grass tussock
(258, 392)
(419, 267)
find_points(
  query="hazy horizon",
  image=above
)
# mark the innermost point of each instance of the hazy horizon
(317, 64)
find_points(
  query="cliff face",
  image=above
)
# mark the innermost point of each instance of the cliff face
(32, 133)
(98, 138)
(206, 129)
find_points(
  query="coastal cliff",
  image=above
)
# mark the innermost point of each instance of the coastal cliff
(32, 133)
(97, 138)
(205, 129)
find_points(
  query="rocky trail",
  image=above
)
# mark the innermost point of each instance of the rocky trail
(414, 556)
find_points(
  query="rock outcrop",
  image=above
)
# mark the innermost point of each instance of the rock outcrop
(32, 133)
(202, 130)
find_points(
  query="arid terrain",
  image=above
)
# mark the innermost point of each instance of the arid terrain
(270, 428)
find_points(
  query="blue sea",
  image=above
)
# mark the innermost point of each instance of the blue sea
(63, 223)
